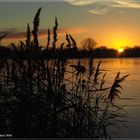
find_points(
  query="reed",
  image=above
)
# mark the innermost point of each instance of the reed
(42, 98)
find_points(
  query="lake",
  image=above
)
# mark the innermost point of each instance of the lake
(130, 91)
(130, 94)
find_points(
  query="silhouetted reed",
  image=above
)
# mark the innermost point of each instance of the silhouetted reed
(43, 98)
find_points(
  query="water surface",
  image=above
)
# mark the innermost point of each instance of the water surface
(130, 91)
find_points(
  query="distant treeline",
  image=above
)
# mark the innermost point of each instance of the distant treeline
(100, 52)
(131, 52)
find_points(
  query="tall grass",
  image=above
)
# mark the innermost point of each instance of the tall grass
(45, 98)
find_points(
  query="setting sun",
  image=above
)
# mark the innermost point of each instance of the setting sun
(120, 50)
(120, 42)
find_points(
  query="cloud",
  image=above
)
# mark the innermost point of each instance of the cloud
(81, 2)
(99, 11)
(114, 3)
(14, 34)
(101, 7)
(126, 4)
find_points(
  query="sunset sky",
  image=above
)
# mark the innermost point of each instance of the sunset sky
(112, 23)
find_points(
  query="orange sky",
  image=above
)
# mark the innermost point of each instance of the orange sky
(114, 24)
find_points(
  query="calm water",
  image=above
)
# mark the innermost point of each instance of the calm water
(131, 90)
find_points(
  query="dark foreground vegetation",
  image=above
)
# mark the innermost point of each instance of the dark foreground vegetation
(54, 97)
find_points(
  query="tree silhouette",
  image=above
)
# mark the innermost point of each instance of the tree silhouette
(89, 44)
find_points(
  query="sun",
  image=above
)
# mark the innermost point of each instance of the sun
(120, 44)
(120, 50)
